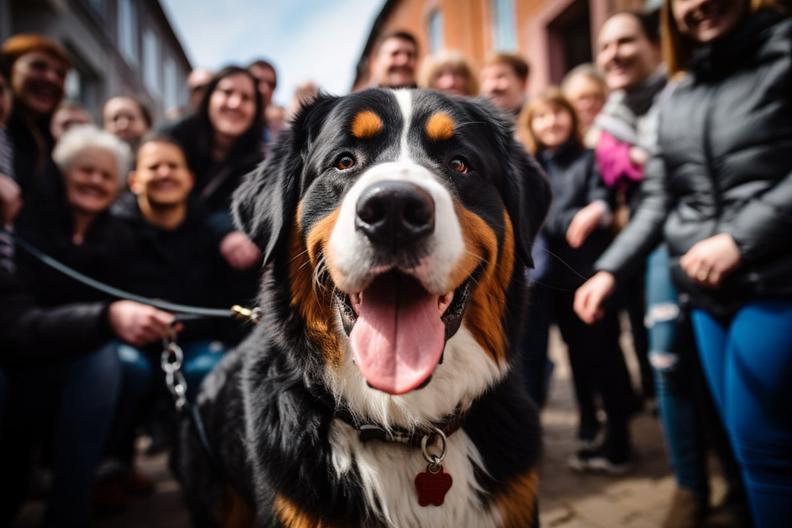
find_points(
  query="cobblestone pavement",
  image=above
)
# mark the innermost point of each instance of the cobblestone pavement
(567, 499)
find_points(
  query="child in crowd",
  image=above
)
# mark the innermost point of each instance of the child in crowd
(576, 231)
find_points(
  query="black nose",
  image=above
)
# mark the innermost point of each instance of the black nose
(394, 213)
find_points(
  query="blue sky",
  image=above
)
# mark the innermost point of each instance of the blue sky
(318, 40)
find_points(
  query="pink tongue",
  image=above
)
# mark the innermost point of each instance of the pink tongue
(399, 337)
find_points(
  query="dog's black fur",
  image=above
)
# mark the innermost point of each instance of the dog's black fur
(267, 409)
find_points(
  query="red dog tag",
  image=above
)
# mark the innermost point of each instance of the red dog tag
(432, 486)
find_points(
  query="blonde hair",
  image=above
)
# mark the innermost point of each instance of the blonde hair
(587, 70)
(434, 64)
(677, 47)
(554, 97)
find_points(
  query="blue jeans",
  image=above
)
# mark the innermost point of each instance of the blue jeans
(144, 382)
(82, 393)
(676, 373)
(142, 373)
(747, 360)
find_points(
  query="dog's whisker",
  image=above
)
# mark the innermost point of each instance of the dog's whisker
(298, 255)
(478, 257)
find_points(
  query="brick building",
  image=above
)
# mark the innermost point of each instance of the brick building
(554, 35)
(118, 47)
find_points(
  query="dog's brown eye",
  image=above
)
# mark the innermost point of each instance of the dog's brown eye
(459, 165)
(345, 162)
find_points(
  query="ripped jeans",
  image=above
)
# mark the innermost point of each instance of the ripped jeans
(678, 378)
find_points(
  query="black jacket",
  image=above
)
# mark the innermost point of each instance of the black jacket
(724, 165)
(575, 182)
(182, 265)
(30, 333)
(47, 315)
(104, 255)
(34, 170)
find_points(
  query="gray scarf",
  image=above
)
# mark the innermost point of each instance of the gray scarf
(624, 110)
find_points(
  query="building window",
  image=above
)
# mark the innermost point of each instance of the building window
(151, 62)
(435, 31)
(127, 30)
(73, 85)
(171, 85)
(82, 85)
(504, 35)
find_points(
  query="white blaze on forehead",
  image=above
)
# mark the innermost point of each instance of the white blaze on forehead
(404, 98)
(351, 251)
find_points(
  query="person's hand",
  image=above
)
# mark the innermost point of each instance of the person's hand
(590, 296)
(585, 222)
(10, 200)
(139, 324)
(239, 251)
(708, 262)
(638, 156)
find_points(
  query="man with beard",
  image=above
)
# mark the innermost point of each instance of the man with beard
(504, 79)
(38, 68)
(394, 61)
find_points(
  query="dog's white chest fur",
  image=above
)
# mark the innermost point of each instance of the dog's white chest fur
(387, 473)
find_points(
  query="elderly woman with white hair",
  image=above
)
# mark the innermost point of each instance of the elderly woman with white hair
(58, 357)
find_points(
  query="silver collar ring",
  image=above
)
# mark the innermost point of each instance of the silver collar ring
(434, 460)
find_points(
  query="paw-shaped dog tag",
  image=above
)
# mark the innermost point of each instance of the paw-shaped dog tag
(432, 486)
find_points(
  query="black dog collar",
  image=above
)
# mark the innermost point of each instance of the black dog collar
(399, 435)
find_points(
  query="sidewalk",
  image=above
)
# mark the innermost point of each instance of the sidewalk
(638, 499)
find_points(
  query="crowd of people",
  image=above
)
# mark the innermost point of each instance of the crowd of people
(670, 169)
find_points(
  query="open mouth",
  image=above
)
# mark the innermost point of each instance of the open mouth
(91, 192)
(398, 329)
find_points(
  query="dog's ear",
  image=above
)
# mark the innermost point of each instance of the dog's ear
(266, 201)
(527, 196)
(524, 190)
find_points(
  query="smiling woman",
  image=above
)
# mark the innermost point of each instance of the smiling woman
(222, 141)
(93, 163)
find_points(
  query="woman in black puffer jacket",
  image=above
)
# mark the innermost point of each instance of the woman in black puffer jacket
(719, 191)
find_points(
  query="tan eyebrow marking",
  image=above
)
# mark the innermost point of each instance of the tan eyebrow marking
(440, 127)
(366, 124)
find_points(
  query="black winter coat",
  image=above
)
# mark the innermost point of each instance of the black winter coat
(724, 165)
(30, 333)
(182, 265)
(34, 170)
(575, 182)
(46, 315)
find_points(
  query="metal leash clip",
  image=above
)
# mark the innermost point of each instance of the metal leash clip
(171, 363)
(250, 315)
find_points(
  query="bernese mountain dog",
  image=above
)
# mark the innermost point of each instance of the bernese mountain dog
(379, 388)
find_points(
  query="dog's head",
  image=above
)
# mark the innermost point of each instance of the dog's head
(404, 220)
